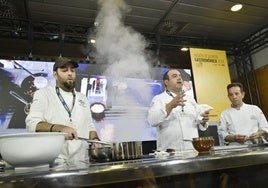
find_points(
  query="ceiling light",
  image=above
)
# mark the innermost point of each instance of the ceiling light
(96, 24)
(93, 41)
(236, 7)
(54, 37)
(185, 49)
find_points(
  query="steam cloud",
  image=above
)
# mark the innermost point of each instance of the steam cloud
(123, 51)
(121, 46)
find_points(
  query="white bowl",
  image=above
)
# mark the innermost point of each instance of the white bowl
(31, 149)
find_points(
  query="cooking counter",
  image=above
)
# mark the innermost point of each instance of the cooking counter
(139, 172)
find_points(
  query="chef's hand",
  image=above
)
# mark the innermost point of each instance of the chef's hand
(240, 138)
(257, 134)
(178, 100)
(71, 133)
(205, 117)
(236, 138)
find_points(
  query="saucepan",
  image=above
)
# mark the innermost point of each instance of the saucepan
(100, 151)
(101, 154)
(127, 150)
(106, 151)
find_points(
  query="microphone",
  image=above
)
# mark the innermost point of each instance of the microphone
(180, 92)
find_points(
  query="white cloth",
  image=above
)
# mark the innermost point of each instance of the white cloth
(47, 107)
(247, 120)
(178, 126)
(73, 151)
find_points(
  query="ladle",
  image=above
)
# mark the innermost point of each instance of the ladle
(21, 99)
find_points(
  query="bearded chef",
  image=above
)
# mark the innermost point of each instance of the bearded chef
(60, 108)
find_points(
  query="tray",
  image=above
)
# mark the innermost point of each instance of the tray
(234, 147)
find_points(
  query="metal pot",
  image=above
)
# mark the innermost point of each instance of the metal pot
(101, 154)
(116, 151)
(99, 151)
(127, 150)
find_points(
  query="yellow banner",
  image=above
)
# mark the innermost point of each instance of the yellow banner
(211, 76)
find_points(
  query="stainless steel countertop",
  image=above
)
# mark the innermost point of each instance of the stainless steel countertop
(83, 173)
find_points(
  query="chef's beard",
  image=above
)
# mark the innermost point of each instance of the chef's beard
(68, 85)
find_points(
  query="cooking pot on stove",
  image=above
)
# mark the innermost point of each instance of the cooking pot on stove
(101, 154)
(115, 151)
(127, 150)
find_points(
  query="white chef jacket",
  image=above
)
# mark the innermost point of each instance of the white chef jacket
(247, 120)
(47, 107)
(178, 126)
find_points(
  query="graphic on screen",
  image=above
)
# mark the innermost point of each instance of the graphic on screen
(118, 105)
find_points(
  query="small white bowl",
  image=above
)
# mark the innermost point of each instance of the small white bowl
(31, 149)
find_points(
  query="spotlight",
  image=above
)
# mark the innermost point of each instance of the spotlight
(97, 110)
(185, 49)
(236, 7)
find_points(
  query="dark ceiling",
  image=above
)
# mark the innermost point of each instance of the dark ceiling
(164, 22)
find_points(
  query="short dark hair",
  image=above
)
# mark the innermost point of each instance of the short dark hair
(165, 77)
(235, 84)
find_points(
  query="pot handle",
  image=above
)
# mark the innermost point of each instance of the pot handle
(95, 141)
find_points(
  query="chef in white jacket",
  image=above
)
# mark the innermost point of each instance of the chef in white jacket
(240, 121)
(60, 108)
(176, 115)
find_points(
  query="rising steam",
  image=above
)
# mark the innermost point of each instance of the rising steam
(120, 46)
(122, 49)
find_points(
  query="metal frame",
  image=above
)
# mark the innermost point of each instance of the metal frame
(244, 64)
(30, 30)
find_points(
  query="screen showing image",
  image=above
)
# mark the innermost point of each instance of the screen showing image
(119, 105)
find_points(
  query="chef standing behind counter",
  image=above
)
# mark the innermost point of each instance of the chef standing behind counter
(62, 109)
(240, 120)
(176, 115)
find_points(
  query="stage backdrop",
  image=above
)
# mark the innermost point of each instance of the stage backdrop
(126, 100)
(211, 76)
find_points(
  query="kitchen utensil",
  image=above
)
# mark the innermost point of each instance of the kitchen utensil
(39, 81)
(255, 141)
(101, 154)
(116, 151)
(127, 150)
(264, 140)
(31, 149)
(95, 141)
(21, 99)
(203, 144)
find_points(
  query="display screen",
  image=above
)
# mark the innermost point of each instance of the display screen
(119, 105)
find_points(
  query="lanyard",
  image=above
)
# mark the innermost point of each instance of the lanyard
(170, 94)
(64, 103)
